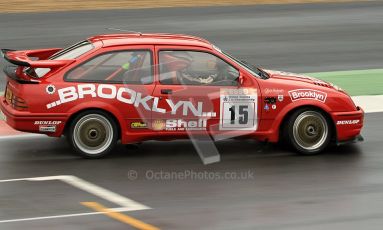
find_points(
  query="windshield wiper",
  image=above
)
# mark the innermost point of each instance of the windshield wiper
(263, 74)
(259, 71)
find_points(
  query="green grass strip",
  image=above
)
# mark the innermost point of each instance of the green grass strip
(355, 82)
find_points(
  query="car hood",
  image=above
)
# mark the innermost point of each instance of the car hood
(274, 74)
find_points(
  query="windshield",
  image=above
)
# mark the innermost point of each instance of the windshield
(71, 52)
(250, 68)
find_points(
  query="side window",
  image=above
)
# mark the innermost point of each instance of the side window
(130, 67)
(195, 68)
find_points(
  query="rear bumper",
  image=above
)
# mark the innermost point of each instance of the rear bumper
(50, 124)
(348, 124)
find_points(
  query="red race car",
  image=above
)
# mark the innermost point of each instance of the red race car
(135, 87)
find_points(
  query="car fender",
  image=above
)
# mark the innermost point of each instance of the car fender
(292, 106)
(102, 106)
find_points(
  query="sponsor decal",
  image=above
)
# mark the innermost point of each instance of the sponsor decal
(273, 91)
(238, 109)
(348, 122)
(50, 89)
(179, 124)
(270, 100)
(47, 128)
(280, 98)
(127, 96)
(138, 125)
(310, 94)
(47, 122)
(182, 125)
(267, 108)
(158, 125)
(274, 106)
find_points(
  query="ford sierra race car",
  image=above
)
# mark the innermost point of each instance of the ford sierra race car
(135, 87)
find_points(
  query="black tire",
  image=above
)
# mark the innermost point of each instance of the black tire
(93, 134)
(308, 131)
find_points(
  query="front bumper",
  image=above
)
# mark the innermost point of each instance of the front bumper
(25, 121)
(348, 124)
(356, 139)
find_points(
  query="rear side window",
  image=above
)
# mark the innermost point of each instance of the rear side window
(130, 67)
(73, 51)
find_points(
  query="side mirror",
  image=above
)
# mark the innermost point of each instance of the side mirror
(240, 80)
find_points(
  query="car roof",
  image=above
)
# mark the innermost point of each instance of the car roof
(109, 40)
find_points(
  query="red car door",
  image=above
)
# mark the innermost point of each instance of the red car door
(199, 93)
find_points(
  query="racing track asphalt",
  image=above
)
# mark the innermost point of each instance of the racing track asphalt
(341, 189)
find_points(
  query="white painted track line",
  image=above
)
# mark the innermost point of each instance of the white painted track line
(125, 203)
(54, 217)
(369, 103)
(95, 190)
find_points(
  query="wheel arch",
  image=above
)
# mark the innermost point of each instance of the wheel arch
(78, 112)
(288, 114)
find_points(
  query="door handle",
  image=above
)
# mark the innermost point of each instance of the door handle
(166, 91)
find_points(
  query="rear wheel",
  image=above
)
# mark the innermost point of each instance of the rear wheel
(308, 131)
(93, 134)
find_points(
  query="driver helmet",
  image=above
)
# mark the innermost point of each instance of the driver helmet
(176, 61)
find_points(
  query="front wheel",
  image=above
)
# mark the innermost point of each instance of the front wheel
(93, 134)
(308, 131)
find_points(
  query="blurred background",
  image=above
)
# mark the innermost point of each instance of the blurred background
(338, 41)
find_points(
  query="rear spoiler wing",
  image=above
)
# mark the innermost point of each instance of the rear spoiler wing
(23, 58)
